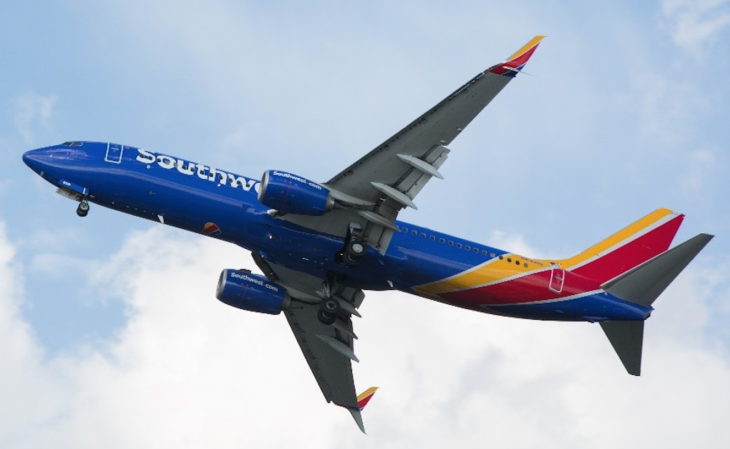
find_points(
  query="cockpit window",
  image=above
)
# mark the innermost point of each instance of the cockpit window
(72, 144)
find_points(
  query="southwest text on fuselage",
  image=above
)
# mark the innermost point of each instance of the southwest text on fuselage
(194, 169)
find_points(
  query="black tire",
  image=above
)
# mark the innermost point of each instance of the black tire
(83, 209)
(330, 306)
(328, 310)
(357, 249)
(325, 318)
(352, 261)
(354, 253)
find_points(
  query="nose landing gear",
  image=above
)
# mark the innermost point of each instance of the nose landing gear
(83, 209)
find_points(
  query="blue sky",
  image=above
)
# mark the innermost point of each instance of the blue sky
(111, 335)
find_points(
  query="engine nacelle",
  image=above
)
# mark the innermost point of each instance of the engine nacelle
(292, 194)
(247, 291)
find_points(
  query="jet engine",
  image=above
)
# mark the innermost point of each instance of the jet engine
(247, 291)
(292, 194)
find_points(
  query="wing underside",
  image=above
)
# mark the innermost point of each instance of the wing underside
(328, 349)
(374, 189)
(369, 194)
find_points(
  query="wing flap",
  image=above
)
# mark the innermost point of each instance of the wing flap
(389, 177)
(421, 139)
(331, 369)
(328, 349)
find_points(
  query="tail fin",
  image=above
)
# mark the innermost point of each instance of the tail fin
(627, 248)
(643, 285)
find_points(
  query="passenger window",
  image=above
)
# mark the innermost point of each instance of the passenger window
(442, 240)
(433, 238)
(509, 259)
(451, 243)
(476, 250)
(423, 235)
(484, 252)
(415, 232)
(467, 247)
(458, 245)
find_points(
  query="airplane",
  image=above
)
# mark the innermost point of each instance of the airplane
(321, 245)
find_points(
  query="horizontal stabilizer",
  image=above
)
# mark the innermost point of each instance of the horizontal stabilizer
(627, 339)
(643, 284)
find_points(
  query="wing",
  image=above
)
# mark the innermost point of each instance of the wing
(372, 190)
(328, 349)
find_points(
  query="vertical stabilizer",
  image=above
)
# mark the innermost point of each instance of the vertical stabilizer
(631, 246)
(627, 339)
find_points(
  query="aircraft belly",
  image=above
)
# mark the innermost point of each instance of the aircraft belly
(312, 252)
(498, 288)
(594, 306)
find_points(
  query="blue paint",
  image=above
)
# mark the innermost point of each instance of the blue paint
(594, 308)
(292, 194)
(188, 195)
(248, 291)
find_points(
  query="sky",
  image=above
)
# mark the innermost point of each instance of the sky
(110, 334)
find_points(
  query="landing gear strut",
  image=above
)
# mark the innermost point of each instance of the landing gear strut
(83, 209)
(330, 306)
(354, 248)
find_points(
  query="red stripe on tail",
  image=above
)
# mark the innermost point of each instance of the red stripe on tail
(633, 253)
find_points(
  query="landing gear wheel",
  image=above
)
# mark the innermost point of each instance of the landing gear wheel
(353, 250)
(83, 209)
(357, 249)
(328, 310)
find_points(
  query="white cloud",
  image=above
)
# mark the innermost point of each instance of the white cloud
(697, 23)
(187, 371)
(33, 112)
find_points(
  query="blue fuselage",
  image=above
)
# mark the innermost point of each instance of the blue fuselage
(223, 205)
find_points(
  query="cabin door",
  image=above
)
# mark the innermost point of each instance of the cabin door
(557, 278)
(114, 153)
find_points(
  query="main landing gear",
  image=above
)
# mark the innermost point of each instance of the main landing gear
(83, 209)
(330, 307)
(328, 310)
(354, 248)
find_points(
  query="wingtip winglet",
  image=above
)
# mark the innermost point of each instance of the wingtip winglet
(358, 419)
(364, 398)
(362, 401)
(517, 61)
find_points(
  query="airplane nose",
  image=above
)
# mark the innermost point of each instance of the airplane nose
(38, 160)
(33, 159)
